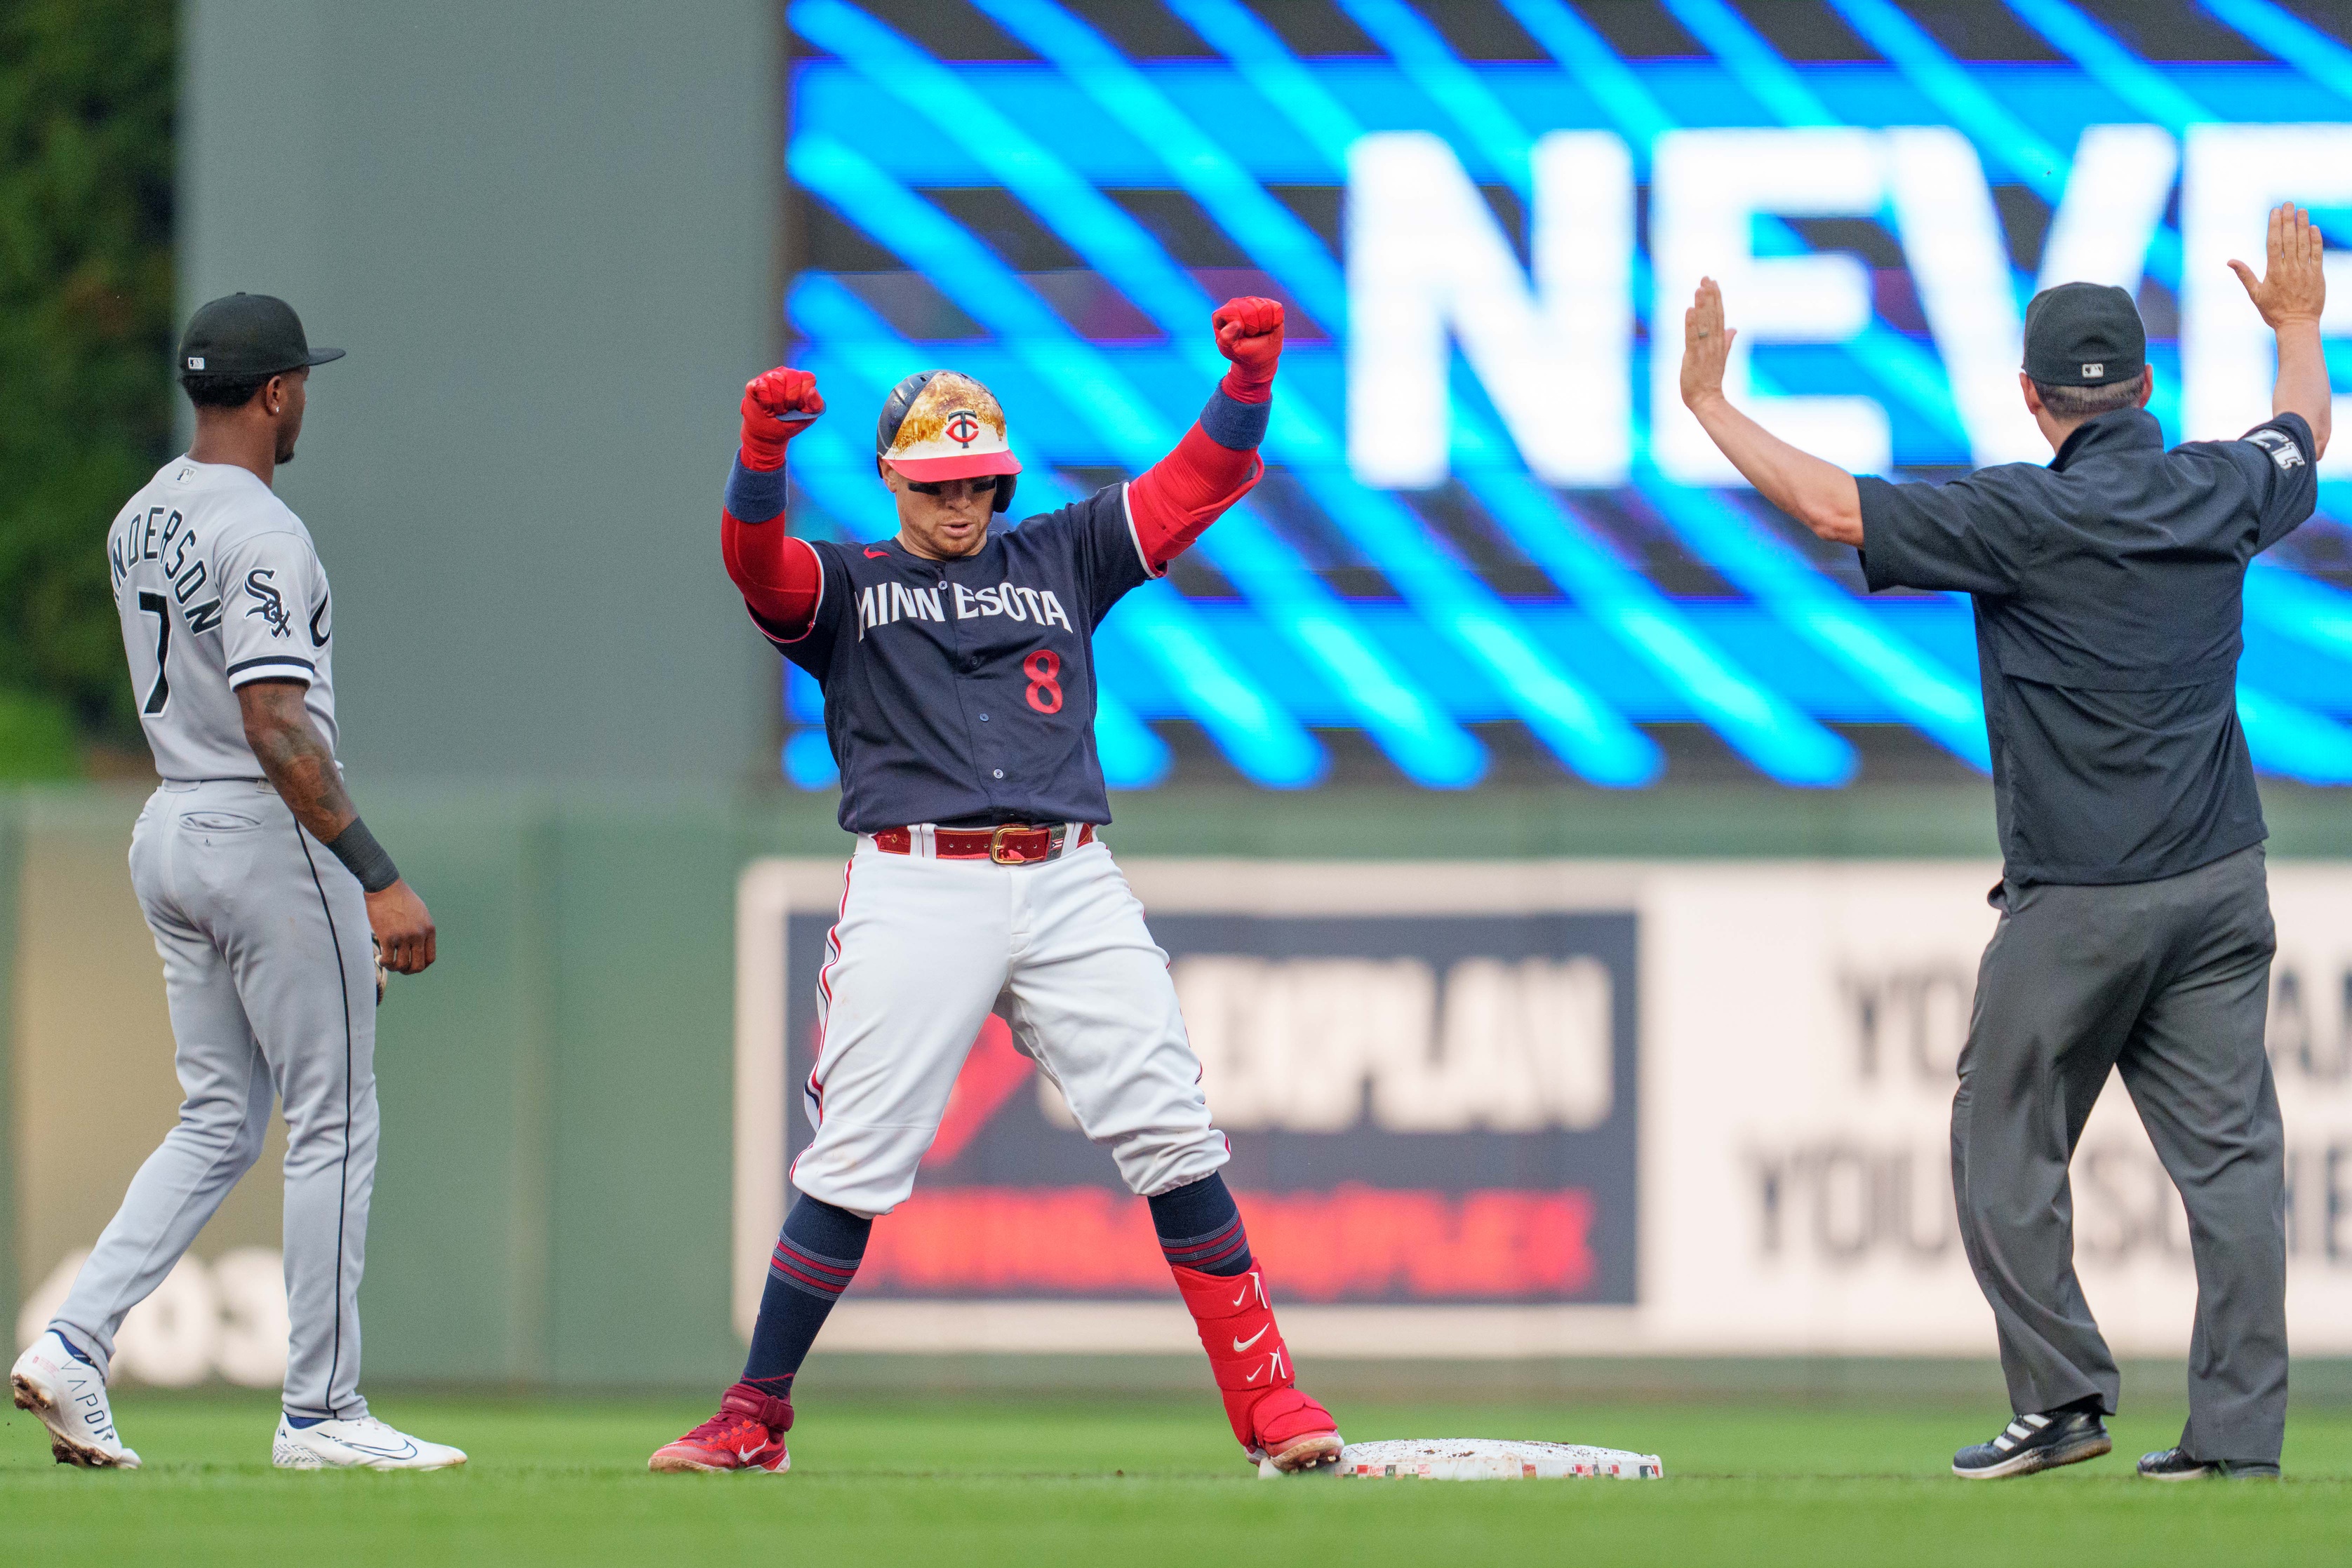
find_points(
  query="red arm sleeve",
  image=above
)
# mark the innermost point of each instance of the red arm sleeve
(1216, 463)
(780, 575)
(1177, 497)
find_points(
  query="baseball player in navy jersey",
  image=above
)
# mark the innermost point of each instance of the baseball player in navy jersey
(957, 662)
(263, 889)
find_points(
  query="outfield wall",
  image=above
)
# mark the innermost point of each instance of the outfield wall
(1539, 1108)
(558, 1201)
(549, 235)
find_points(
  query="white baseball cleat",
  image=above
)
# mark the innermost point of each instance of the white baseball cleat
(361, 1444)
(69, 1397)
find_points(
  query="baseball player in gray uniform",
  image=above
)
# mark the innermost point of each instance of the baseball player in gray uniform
(263, 888)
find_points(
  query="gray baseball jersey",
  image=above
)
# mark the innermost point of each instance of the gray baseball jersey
(217, 584)
(263, 933)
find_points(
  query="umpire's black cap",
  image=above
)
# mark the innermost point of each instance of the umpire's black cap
(2083, 334)
(245, 335)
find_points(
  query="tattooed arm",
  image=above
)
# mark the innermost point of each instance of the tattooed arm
(300, 766)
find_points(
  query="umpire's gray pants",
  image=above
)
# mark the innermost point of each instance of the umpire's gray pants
(272, 981)
(2168, 982)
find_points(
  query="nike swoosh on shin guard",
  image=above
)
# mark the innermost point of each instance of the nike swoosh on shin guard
(1234, 1310)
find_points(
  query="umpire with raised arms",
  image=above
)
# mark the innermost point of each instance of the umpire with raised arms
(2135, 930)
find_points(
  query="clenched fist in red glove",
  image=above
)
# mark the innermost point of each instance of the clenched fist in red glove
(778, 405)
(1249, 333)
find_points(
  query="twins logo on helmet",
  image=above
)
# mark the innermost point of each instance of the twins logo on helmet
(942, 424)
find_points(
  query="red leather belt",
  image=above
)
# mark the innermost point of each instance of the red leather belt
(1016, 843)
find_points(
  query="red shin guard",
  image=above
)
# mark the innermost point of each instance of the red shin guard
(1251, 1362)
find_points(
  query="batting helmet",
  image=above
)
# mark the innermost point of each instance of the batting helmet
(942, 424)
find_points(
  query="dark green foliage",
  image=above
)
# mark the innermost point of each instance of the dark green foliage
(37, 738)
(88, 90)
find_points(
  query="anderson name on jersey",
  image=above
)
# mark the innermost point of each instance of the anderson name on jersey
(216, 585)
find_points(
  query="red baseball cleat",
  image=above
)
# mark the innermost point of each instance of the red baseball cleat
(1291, 1432)
(748, 1434)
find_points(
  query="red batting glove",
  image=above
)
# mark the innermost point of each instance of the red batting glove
(770, 400)
(1249, 333)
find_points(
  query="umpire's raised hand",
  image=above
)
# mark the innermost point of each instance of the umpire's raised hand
(2291, 294)
(2294, 285)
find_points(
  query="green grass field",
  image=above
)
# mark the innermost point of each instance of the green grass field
(1147, 1478)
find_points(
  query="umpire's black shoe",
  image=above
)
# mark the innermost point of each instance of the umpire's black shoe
(2034, 1443)
(2179, 1465)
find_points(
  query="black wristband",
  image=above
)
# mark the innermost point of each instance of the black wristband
(357, 848)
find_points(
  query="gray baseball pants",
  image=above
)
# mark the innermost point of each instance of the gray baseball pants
(2167, 983)
(272, 981)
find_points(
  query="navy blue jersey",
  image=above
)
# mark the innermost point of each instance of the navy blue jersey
(960, 690)
(2107, 590)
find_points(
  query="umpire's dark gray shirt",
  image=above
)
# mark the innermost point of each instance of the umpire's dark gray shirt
(2106, 589)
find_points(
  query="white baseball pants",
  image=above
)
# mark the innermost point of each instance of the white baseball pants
(926, 949)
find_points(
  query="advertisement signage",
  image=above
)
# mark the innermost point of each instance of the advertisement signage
(1543, 1107)
(1427, 1105)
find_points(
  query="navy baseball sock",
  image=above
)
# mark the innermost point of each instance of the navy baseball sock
(1200, 1228)
(816, 1258)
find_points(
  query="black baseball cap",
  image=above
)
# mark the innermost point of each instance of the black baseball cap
(245, 335)
(2083, 334)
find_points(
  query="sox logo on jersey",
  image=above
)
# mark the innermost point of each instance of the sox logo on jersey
(268, 602)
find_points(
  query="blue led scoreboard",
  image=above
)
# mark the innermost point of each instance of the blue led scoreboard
(1490, 538)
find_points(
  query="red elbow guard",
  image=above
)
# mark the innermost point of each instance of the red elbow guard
(780, 577)
(1175, 500)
